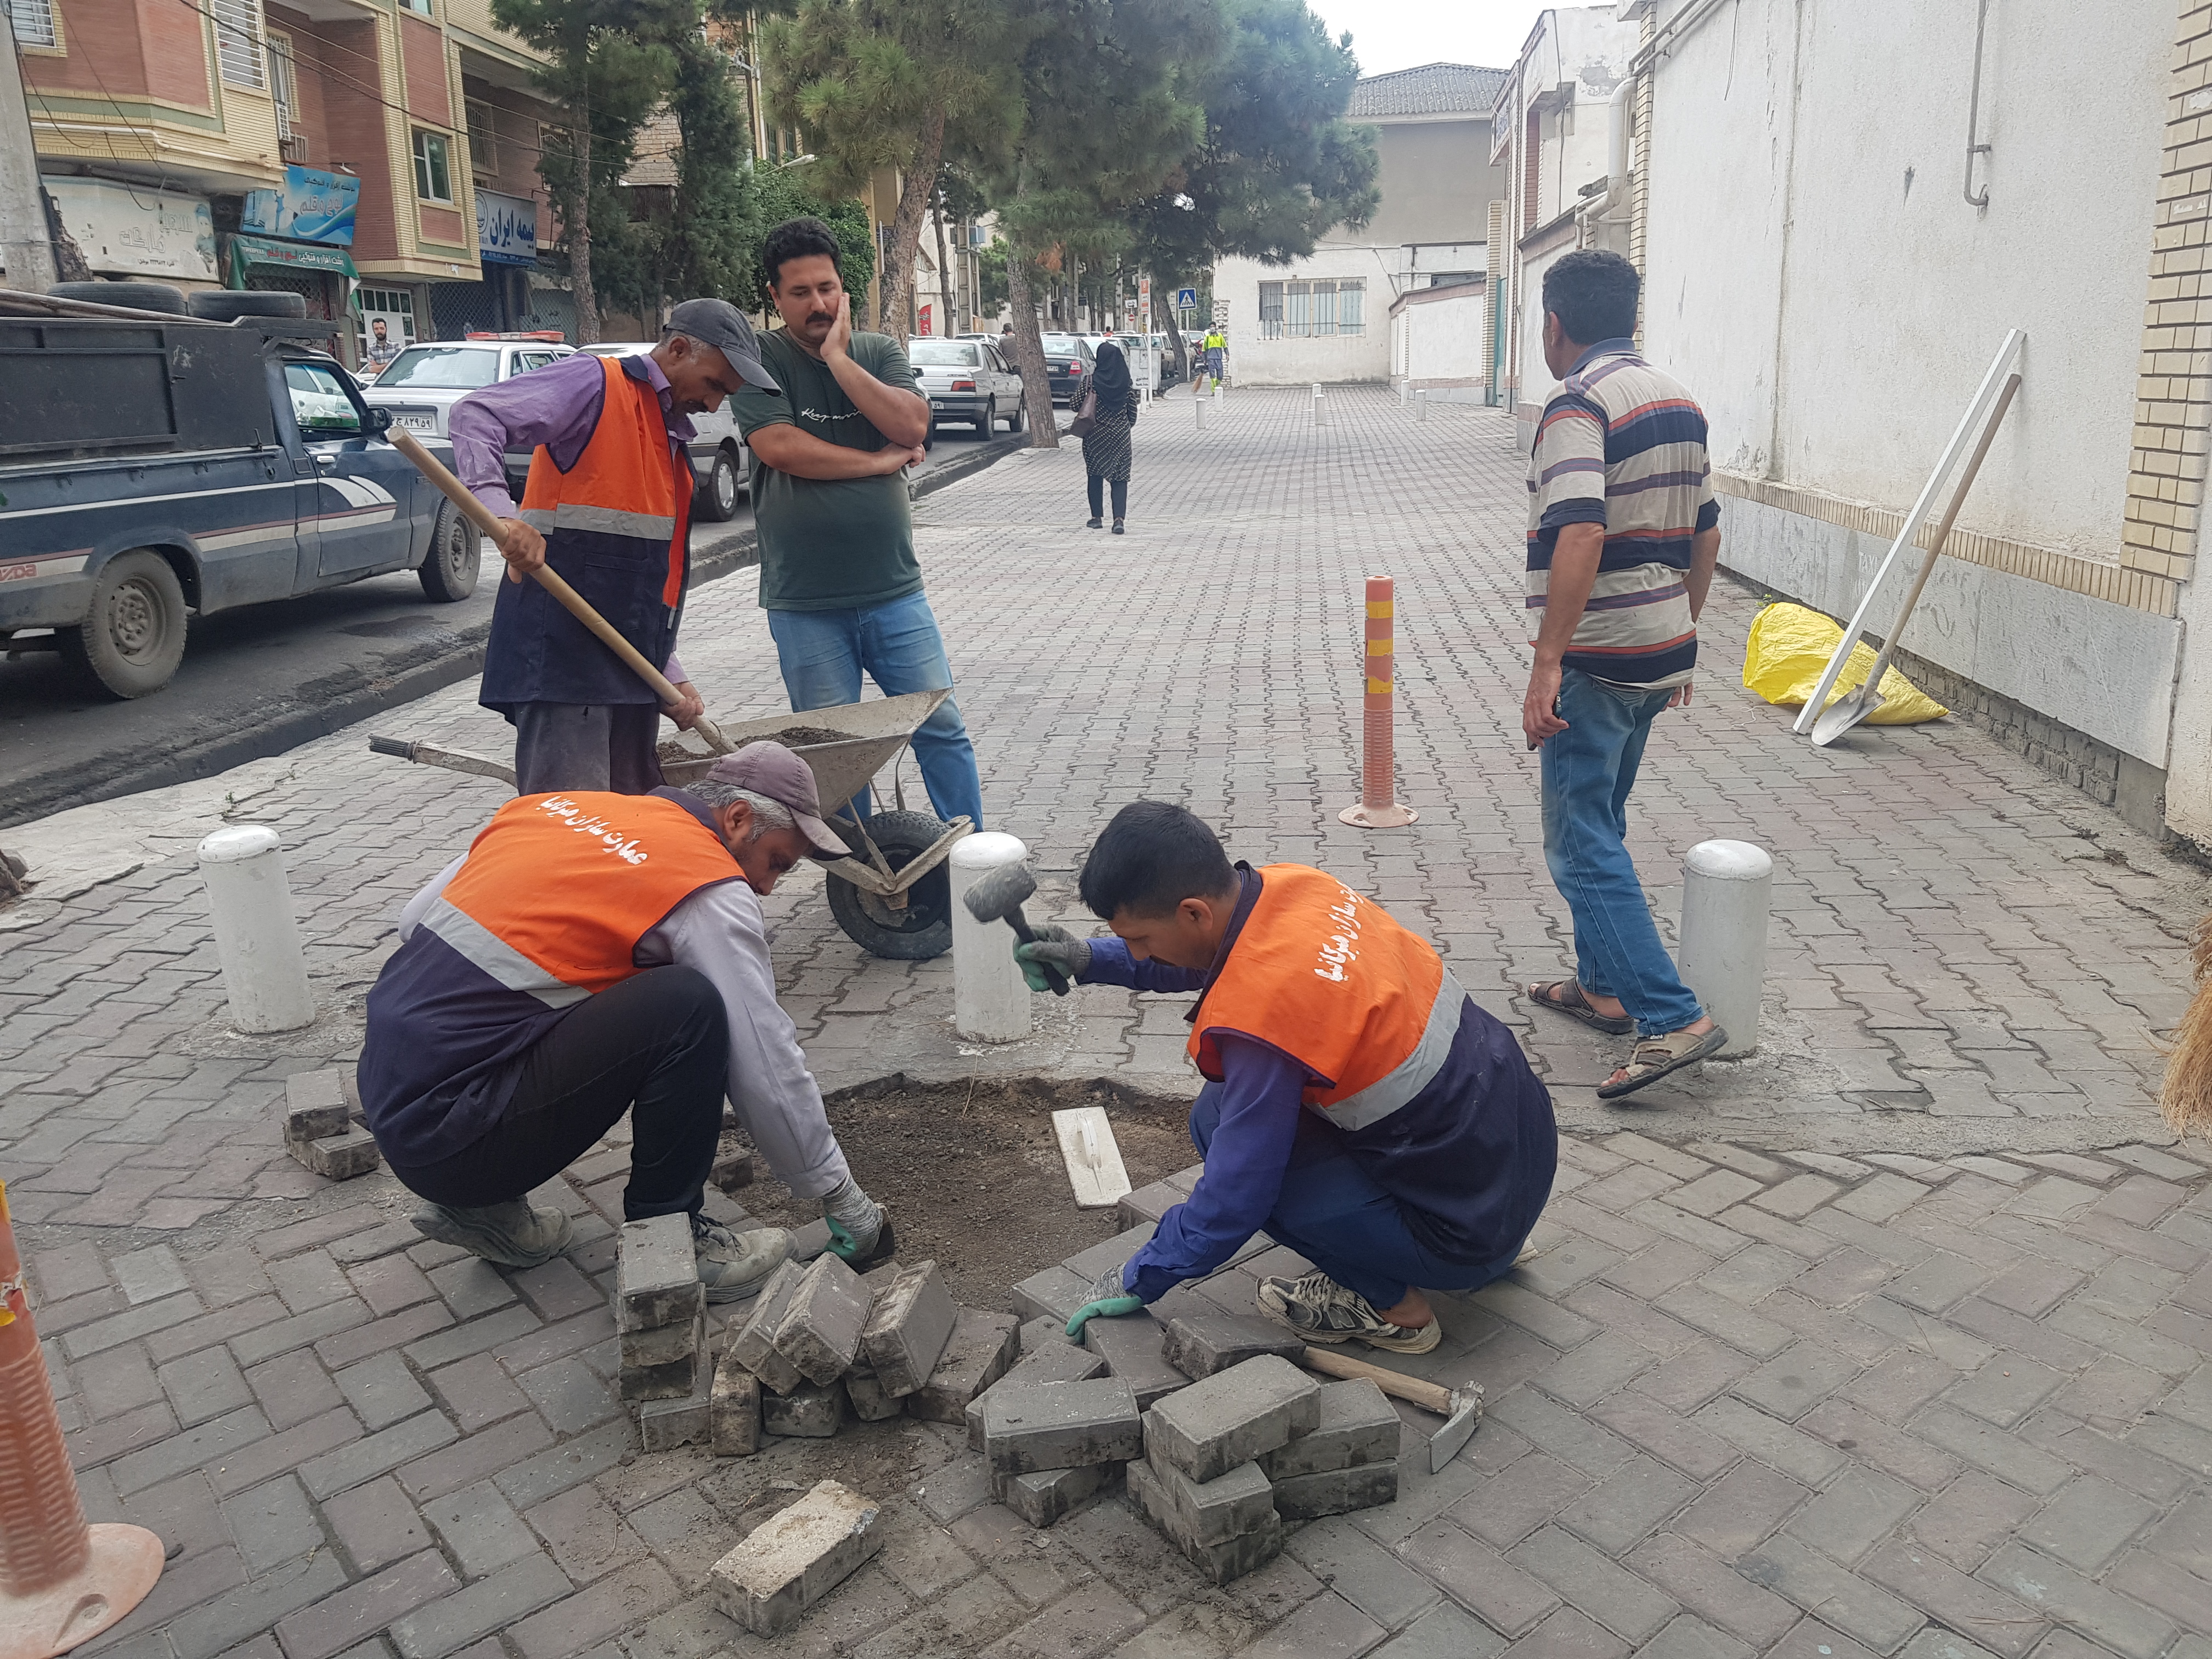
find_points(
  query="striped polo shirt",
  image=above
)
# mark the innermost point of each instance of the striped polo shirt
(1623, 446)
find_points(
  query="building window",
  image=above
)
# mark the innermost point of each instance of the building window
(238, 43)
(33, 23)
(284, 84)
(432, 181)
(484, 153)
(419, 8)
(1299, 310)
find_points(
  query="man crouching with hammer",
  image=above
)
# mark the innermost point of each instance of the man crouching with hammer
(1357, 1105)
(596, 953)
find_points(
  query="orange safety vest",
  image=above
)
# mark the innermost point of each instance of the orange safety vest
(1328, 978)
(558, 890)
(626, 482)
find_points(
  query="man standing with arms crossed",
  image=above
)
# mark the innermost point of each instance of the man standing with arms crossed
(831, 431)
(609, 506)
(1623, 536)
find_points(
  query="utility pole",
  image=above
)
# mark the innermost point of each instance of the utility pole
(26, 244)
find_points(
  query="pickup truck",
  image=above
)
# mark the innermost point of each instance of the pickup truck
(153, 468)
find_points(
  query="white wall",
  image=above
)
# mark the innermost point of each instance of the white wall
(1442, 344)
(1334, 358)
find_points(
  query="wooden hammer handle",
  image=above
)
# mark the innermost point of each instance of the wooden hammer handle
(1427, 1395)
(551, 581)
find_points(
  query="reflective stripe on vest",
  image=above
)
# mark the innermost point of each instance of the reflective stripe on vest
(624, 483)
(558, 890)
(1330, 978)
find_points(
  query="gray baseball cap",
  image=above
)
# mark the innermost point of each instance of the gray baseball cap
(719, 324)
(770, 770)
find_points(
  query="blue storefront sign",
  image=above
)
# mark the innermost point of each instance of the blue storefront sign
(507, 229)
(310, 206)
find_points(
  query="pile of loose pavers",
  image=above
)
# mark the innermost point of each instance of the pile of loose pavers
(1220, 1437)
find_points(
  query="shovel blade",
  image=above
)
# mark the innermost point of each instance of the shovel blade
(1458, 1430)
(1840, 716)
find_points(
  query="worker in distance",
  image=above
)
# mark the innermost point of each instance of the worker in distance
(1359, 1106)
(594, 953)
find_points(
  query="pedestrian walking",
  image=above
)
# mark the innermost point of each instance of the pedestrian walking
(1217, 354)
(1106, 452)
(830, 435)
(608, 507)
(1623, 536)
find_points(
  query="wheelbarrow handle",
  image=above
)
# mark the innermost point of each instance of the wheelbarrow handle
(551, 581)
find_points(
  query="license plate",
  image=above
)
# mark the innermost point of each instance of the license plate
(936, 403)
(416, 423)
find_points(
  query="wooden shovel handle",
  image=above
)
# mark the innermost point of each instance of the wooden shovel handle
(550, 580)
(1428, 1395)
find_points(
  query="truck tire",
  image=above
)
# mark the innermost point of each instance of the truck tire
(228, 305)
(449, 569)
(133, 636)
(140, 296)
(924, 928)
(718, 496)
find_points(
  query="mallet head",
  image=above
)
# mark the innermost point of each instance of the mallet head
(999, 895)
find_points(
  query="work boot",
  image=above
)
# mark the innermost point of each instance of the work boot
(1320, 1310)
(515, 1234)
(734, 1266)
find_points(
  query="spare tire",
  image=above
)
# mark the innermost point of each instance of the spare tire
(140, 296)
(227, 305)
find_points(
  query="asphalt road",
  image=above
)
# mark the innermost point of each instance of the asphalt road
(258, 680)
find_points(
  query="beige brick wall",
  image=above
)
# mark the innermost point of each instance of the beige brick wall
(2174, 399)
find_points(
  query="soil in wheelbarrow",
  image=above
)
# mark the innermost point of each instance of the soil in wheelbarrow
(972, 1175)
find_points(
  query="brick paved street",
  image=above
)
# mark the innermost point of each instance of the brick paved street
(1896, 1338)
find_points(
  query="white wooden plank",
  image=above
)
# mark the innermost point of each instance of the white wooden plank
(1094, 1161)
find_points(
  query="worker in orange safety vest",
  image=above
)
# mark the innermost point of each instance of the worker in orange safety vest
(1359, 1106)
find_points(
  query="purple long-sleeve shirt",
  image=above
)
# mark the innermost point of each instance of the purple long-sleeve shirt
(557, 406)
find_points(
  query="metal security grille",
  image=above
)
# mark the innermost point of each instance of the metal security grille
(33, 23)
(238, 43)
(314, 288)
(457, 307)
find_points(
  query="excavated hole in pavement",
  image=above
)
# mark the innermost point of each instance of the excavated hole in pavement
(972, 1175)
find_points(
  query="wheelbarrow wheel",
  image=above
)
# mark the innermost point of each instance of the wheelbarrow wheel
(924, 928)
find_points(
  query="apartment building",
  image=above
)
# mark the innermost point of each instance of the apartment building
(377, 157)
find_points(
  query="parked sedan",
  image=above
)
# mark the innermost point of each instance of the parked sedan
(718, 460)
(420, 386)
(967, 382)
(1133, 347)
(1068, 359)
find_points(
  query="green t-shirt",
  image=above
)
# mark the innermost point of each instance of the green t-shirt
(828, 544)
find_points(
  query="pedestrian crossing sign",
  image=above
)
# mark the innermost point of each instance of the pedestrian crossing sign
(1186, 299)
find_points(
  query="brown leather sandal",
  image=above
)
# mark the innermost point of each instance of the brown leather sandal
(1565, 997)
(1655, 1057)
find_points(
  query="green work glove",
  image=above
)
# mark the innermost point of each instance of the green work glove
(1057, 947)
(1108, 1300)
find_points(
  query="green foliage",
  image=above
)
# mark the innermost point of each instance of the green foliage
(990, 278)
(1278, 167)
(783, 194)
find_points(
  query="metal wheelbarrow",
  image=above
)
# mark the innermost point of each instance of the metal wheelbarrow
(893, 897)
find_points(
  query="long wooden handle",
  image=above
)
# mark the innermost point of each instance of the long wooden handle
(1428, 1395)
(550, 580)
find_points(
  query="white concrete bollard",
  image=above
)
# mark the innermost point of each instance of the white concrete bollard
(1321, 406)
(265, 972)
(1726, 888)
(1421, 404)
(1198, 406)
(990, 999)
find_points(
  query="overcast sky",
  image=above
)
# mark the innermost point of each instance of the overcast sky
(1396, 35)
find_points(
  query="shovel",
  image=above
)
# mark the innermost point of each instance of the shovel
(1459, 1408)
(1862, 699)
(549, 579)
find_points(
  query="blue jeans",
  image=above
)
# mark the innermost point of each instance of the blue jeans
(822, 653)
(1588, 771)
(1333, 1213)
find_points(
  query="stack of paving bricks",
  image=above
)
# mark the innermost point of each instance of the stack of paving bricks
(323, 1128)
(821, 1342)
(660, 1314)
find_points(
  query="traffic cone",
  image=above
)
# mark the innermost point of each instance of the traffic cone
(61, 1582)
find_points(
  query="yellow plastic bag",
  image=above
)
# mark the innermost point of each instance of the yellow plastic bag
(1789, 648)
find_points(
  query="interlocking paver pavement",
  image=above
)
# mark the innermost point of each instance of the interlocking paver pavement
(1895, 1339)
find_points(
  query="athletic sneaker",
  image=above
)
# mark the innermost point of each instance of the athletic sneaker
(734, 1266)
(1320, 1310)
(514, 1234)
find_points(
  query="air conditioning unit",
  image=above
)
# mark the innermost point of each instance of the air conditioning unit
(293, 147)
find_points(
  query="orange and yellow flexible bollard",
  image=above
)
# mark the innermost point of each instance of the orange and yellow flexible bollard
(1379, 808)
(61, 1582)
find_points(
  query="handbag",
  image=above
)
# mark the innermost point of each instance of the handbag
(1086, 416)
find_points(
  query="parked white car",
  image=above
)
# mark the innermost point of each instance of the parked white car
(718, 460)
(968, 383)
(420, 386)
(1133, 347)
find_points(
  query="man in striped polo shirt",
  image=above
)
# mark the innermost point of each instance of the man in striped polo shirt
(1623, 535)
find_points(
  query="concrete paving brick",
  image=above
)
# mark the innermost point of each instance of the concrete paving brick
(2089, 1522)
(381, 1390)
(663, 1425)
(1337, 1491)
(1841, 1599)
(375, 1522)
(1131, 1347)
(190, 1448)
(361, 1610)
(1992, 1451)
(1585, 1579)
(1054, 1293)
(1796, 1454)
(1221, 1560)
(1627, 1504)
(908, 1328)
(477, 1392)
(272, 1524)
(1200, 1344)
(593, 1615)
(1327, 1627)
(1595, 1450)
(376, 1453)
(148, 1275)
(491, 1605)
(792, 1561)
(583, 1534)
(1795, 1380)
(217, 1625)
(1511, 1600)
(199, 1386)
(1356, 1424)
(1711, 1589)
(981, 1350)
(820, 1330)
(807, 1411)
(1509, 1505)
(571, 1396)
(1042, 1497)
(1034, 1426)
